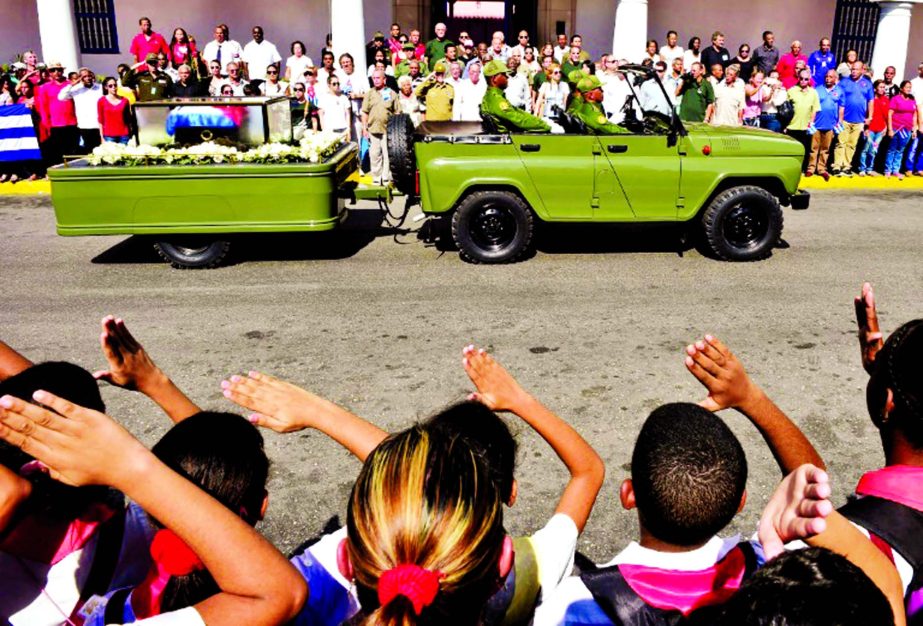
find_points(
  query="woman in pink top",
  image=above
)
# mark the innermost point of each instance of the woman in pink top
(183, 51)
(753, 105)
(903, 122)
(114, 114)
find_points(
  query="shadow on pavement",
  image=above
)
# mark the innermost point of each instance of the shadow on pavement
(361, 228)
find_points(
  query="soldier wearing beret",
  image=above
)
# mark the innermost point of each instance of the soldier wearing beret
(507, 117)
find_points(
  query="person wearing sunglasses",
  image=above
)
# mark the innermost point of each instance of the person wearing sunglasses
(746, 62)
(60, 116)
(334, 111)
(807, 104)
(273, 86)
(114, 114)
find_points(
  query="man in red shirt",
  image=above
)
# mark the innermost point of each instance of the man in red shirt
(147, 41)
(58, 117)
(786, 66)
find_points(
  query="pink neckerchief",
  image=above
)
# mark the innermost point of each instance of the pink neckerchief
(145, 599)
(33, 532)
(897, 483)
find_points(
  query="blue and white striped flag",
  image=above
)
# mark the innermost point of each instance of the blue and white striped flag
(17, 135)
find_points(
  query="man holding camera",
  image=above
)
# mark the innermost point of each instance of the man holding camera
(698, 97)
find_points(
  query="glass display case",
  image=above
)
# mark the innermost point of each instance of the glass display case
(252, 120)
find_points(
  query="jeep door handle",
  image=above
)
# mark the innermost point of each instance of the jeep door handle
(530, 147)
(617, 148)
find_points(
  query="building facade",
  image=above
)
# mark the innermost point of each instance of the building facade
(52, 27)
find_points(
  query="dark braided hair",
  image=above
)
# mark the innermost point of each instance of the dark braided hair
(899, 367)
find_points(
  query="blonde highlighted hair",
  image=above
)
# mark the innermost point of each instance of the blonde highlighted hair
(426, 498)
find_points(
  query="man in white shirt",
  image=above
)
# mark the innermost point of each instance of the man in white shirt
(561, 50)
(455, 72)
(651, 96)
(86, 94)
(259, 54)
(333, 107)
(520, 47)
(467, 107)
(615, 91)
(222, 49)
(517, 87)
(671, 50)
(235, 80)
(730, 99)
(498, 48)
(353, 85)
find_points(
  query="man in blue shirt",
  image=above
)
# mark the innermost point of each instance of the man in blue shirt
(856, 112)
(820, 61)
(826, 120)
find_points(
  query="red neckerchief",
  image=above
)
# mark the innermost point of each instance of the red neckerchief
(897, 483)
(34, 532)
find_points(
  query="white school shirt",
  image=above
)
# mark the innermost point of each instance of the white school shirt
(85, 102)
(259, 56)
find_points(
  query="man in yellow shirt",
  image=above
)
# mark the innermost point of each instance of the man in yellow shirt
(807, 104)
(438, 95)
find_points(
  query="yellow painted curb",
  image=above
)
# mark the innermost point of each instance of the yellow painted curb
(26, 188)
(864, 183)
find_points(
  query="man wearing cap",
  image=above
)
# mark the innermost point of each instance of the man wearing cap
(57, 116)
(403, 68)
(591, 110)
(148, 81)
(377, 43)
(438, 95)
(507, 117)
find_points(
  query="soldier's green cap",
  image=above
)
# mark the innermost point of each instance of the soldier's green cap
(439, 68)
(495, 67)
(574, 76)
(589, 83)
(408, 46)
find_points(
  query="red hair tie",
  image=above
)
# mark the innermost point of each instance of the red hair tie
(173, 555)
(418, 585)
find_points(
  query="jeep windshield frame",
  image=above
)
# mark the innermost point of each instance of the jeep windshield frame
(641, 74)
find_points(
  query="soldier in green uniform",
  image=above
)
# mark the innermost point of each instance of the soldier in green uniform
(507, 117)
(576, 96)
(591, 111)
(438, 95)
(403, 68)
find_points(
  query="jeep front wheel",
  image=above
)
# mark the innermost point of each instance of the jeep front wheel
(742, 224)
(492, 227)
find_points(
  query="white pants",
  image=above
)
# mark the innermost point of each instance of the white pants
(378, 154)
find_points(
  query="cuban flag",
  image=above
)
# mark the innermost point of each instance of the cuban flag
(17, 135)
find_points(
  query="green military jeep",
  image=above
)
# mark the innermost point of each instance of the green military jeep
(726, 183)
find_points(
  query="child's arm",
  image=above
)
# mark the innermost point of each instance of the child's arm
(11, 362)
(14, 490)
(130, 367)
(871, 341)
(285, 408)
(500, 392)
(84, 447)
(800, 509)
(728, 385)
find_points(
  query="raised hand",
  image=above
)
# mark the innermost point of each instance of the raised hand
(721, 373)
(130, 366)
(870, 338)
(285, 408)
(796, 509)
(278, 405)
(79, 446)
(496, 388)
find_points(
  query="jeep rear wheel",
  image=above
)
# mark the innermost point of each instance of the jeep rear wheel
(401, 157)
(492, 227)
(193, 252)
(742, 224)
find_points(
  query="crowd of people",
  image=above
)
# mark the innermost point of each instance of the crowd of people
(847, 123)
(97, 529)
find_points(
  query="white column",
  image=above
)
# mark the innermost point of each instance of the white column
(58, 33)
(892, 37)
(347, 25)
(630, 34)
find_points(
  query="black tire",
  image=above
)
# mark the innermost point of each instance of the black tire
(400, 153)
(492, 227)
(742, 224)
(188, 253)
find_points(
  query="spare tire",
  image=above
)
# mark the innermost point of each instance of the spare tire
(400, 153)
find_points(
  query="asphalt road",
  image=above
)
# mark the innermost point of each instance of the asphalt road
(594, 325)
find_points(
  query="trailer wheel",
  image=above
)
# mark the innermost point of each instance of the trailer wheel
(191, 253)
(400, 153)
